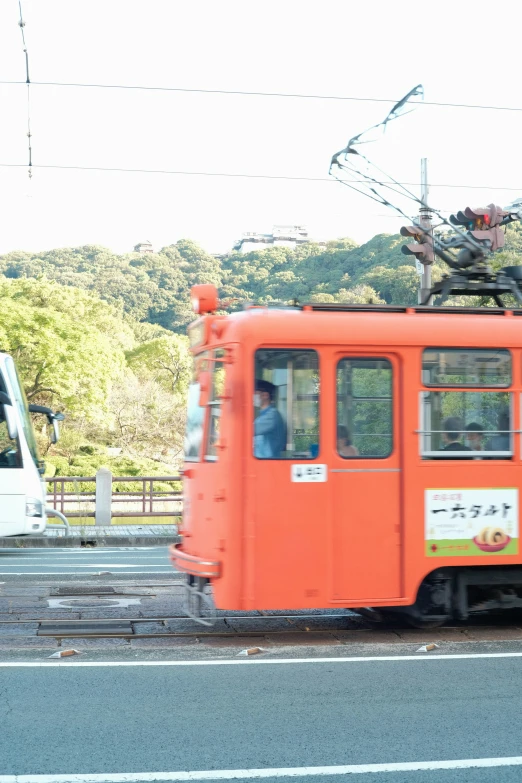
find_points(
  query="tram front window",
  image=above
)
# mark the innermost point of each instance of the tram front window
(286, 404)
(214, 406)
(195, 414)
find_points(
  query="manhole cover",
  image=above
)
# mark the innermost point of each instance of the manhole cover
(73, 630)
(82, 590)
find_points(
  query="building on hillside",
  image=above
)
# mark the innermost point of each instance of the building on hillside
(144, 247)
(281, 236)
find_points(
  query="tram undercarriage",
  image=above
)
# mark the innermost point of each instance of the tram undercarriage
(445, 595)
(454, 594)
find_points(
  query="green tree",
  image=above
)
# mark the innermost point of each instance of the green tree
(65, 361)
(166, 360)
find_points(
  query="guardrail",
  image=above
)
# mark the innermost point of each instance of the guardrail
(73, 497)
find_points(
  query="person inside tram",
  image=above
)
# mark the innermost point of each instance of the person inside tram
(475, 436)
(269, 426)
(452, 435)
(344, 443)
(501, 441)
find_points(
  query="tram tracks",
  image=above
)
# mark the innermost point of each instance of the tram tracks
(118, 627)
(345, 628)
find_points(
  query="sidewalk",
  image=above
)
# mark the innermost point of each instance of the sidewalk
(115, 535)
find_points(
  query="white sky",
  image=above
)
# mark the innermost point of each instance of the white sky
(460, 52)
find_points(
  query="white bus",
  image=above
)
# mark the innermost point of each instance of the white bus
(22, 488)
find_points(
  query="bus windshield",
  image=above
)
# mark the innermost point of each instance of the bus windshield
(20, 402)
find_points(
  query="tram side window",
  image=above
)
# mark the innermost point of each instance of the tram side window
(466, 367)
(195, 414)
(214, 406)
(466, 425)
(286, 404)
(364, 408)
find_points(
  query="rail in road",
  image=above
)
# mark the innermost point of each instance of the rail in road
(252, 627)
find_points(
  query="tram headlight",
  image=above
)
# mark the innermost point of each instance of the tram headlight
(33, 507)
(204, 298)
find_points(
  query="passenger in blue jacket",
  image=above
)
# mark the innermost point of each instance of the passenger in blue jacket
(269, 426)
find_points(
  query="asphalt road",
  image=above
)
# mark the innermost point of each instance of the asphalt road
(117, 560)
(121, 719)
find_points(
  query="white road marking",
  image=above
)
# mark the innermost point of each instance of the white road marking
(23, 558)
(274, 772)
(110, 603)
(157, 570)
(98, 565)
(83, 551)
(257, 662)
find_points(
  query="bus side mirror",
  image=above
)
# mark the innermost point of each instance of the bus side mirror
(52, 418)
(55, 435)
(10, 420)
(204, 388)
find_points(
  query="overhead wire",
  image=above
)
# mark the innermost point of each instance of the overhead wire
(21, 25)
(244, 175)
(262, 94)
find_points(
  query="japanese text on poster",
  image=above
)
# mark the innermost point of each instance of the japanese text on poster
(471, 522)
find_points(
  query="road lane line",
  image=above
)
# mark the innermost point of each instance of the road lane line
(266, 661)
(155, 570)
(270, 772)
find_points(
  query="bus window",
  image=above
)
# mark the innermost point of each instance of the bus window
(195, 415)
(364, 408)
(286, 404)
(20, 401)
(466, 367)
(466, 425)
(10, 456)
(216, 393)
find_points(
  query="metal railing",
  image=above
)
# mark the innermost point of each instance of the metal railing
(69, 496)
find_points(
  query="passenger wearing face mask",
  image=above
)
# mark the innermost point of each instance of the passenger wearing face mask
(269, 427)
(475, 436)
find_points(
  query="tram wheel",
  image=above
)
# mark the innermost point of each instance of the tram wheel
(397, 618)
(425, 623)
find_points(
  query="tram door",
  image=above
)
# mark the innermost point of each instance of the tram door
(366, 479)
(289, 485)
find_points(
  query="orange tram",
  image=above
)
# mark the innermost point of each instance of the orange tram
(353, 456)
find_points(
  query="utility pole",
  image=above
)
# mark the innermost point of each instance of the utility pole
(425, 223)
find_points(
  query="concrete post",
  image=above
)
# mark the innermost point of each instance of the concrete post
(103, 497)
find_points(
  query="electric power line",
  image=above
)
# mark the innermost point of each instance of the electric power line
(260, 94)
(21, 25)
(242, 175)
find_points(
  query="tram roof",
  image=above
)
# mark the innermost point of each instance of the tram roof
(376, 325)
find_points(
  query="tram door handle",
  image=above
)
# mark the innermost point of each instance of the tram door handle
(220, 496)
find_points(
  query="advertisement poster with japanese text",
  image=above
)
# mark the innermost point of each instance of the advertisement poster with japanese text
(471, 522)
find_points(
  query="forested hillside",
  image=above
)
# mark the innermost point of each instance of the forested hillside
(101, 336)
(155, 287)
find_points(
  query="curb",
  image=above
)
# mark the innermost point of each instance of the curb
(46, 542)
